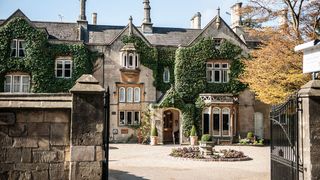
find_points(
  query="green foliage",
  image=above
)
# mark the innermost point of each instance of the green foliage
(206, 137)
(39, 59)
(193, 131)
(145, 126)
(154, 131)
(249, 135)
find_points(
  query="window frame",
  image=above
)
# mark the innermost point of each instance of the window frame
(136, 98)
(17, 48)
(125, 114)
(129, 94)
(21, 84)
(213, 121)
(63, 70)
(217, 67)
(222, 121)
(166, 71)
(122, 97)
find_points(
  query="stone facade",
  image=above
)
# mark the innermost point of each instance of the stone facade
(110, 72)
(50, 142)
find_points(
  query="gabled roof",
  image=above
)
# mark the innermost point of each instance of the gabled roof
(211, 29)
(20, 14)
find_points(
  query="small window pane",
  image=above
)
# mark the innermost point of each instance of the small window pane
(225, 77)
(137, 62)
(122, 94)
(16, 83)
(225, 121)
(209, 65)
(22, 45)
(13, 48)
(7, 84)
(216, 76)
(125, 61)
(129, 118)
(216, 66)
(225, 66)
(121, 118)
(136, 118)
(129, 94)
(67, 73)
(136, 94)
(130, 61)
(209, 76)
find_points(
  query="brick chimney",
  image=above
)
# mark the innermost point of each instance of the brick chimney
(196, 21)
(83, 10)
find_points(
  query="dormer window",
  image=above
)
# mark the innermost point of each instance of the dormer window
(129, 58)
(18, 48)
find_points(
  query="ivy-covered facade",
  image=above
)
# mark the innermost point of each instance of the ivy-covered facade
(182, 76)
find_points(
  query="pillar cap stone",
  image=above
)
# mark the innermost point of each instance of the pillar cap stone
(312, 88)
(87, 84)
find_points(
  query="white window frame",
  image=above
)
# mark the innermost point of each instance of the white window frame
(130, 94)
(213, 113)
(137, 93)
(122, 94)
(225, 111)
(124, 118)
(131, 55)
(212, 68)
(20, 84)
(63, 69)
(17, 48)
(125, 60)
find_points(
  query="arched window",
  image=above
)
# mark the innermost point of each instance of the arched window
(166, 75)
(225, 121)
(124, 60)
(216, 121)
(206, 121)
(122, 94)
(130, 63)
(129, 94)
(136, 94)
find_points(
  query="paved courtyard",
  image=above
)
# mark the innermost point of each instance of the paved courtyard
(134, 161)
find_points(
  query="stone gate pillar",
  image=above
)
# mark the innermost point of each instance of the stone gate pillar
(86, 135)
(310, 129)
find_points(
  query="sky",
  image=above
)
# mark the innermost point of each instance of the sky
(164, 13)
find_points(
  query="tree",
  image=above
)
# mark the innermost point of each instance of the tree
(274, 70)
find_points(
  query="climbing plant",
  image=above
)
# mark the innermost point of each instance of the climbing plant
(40, 55)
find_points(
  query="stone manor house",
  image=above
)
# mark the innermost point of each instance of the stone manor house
(143, 67)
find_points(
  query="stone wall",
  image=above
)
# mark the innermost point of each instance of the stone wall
(53, 136)
(34, 142)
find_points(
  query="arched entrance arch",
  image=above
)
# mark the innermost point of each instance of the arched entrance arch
(171, 126)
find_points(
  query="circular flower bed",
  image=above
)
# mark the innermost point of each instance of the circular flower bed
(222, 155)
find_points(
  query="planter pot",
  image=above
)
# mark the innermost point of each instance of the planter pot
(206, 147)
(193, 140)
(154, 140)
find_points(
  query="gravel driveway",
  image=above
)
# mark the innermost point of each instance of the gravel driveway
(135, 161)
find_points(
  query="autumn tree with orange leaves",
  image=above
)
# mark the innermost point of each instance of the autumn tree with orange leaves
(274, 70)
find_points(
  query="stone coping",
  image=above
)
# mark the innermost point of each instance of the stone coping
(35, 100)
(214, 160)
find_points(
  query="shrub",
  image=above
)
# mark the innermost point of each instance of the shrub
(206, 137)
(193, 131)
(154, 131)
(250, 135)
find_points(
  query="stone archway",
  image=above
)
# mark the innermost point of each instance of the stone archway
(171, 126)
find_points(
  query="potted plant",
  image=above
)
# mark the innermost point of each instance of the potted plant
(193, 136)
(154, 136)
(206, 145)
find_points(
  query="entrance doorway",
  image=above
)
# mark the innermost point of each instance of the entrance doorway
(171, 126)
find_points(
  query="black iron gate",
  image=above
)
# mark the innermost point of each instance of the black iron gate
(286, 163)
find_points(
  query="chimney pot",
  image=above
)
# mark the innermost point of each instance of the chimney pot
(236, 19)
(94, 18)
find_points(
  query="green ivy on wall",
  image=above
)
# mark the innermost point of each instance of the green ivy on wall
(39, 59)
(190, 79)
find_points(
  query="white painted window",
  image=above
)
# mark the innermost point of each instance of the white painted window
(17, 83)
(136, 118)
(136, 94)
(122, 120)
(63, 68)
(130, 61)
(217, 72)
(130, 94)
(216, 121)
(137, 61)
(166, 75)
(225, 121)
(18, 48)
(122, 94)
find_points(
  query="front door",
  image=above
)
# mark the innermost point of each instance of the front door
(167, 127)
(258, 124)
